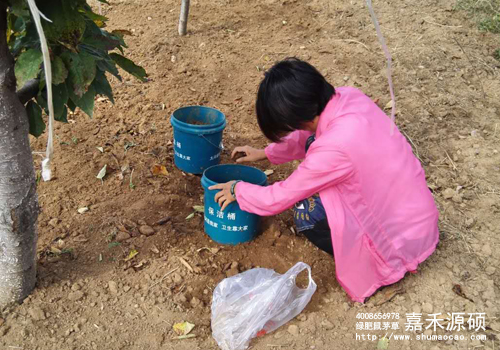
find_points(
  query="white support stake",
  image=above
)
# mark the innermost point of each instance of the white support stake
(183, 18)
(389, 60)
(46, 172)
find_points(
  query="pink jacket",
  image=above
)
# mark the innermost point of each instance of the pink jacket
(382, 216)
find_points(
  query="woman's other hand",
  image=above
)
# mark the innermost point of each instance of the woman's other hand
(224, 196)
(248, 154)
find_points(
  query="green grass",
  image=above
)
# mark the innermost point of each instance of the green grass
(487, 15)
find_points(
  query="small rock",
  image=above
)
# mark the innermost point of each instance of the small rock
(234, 265)
(83, 210)
(475, 342)
(181, 298)
(435, 347)
(53, 222)
(448, 193)
(195, 302)
(76, 287)
(232, 272)
(457, 198)
(327, 324)
(302, 317)
(293, 330)
(449, 264)
(113, 287)
(469, 222)
(141, 222)
(346, 306)
(122, 236)
(487, 250)
(427, 308)
(177, 278)
(75, 296)
(416, 309)
(3, 331)
(428, 332)
(24, 333)
(2, 321)
(36, 313)
(146, 230)
(126, 288)
(129, 223)
(490, 270)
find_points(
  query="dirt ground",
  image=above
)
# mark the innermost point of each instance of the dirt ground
(448, 95)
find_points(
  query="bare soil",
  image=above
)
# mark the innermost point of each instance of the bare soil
(90, 296)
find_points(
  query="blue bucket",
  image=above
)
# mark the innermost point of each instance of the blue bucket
(197, 137)
(233, 225)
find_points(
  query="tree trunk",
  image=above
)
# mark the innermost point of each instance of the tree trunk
(18, 198)
(183, 19)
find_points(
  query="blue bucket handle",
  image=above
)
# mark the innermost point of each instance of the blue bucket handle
(210, 142)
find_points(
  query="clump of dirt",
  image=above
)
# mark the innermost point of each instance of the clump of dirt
(198, 122)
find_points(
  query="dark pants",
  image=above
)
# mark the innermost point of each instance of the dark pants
(310, 220)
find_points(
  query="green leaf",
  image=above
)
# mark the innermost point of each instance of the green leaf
(19, 8)
(64, 116)
(60, 98)
(101, 85)
(86, 102)
(129, 66)
(82, 70)
(87, 11)
(100, 39)
(59, 71)
(109, 66)
(37, 125)
(71, 105)
(28, 66)
(67, 26)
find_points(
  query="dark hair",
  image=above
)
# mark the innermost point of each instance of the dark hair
(292, 92)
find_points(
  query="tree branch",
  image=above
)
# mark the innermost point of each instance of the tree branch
(28, 91)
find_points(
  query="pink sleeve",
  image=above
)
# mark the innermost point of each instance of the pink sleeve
(322, 168)
(291, 148)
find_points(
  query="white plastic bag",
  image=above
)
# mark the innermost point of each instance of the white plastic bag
(256, 302)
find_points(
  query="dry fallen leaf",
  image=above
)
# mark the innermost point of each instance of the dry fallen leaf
(389, 105)
(187, 336)
(131, 255)
(383, 343)
(102, 173)
(183, 328)
(458, 290)
(185, 263)
(159, 170)
(387, 294)
(199, 208)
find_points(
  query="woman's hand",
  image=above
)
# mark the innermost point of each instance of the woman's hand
(224, 196)
(250, 154)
